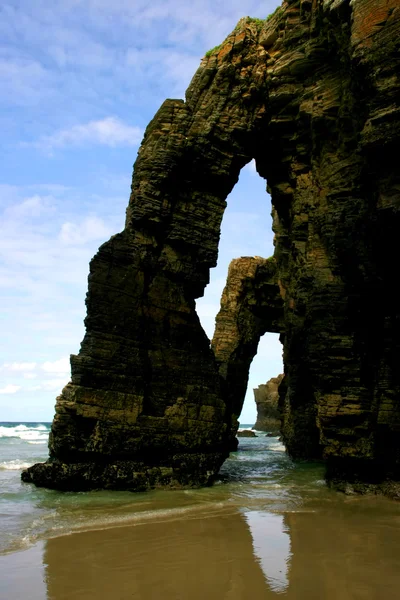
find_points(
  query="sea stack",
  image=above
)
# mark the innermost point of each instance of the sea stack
(312, 94)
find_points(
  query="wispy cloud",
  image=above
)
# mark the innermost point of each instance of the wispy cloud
(24, 80)
(58, 366)
(53, 385)
(18, 366)
(90, 229)
(10, 389)
(80, 81)
(109, 131)
(30, 208)
(50, 375)
(45, 248)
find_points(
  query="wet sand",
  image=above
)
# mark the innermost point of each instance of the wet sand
(348, 552)
(192, 558)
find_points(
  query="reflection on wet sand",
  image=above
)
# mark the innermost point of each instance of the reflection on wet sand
(192, 558)
(349, 551)
(271, 545)
(342, 549)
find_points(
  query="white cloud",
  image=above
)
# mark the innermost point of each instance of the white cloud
(19, 366)
(54, 384)
(50, 385)
(30, 208)
(58, 371)
(51, 376)
(58, 366)
(110, 131)
(24, 80)
(87, 74)
(92, 228)
(34, 388)
(44, 269)
(10, 389)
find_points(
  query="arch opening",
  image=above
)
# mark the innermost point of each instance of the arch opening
(266, 365)
(241, 310)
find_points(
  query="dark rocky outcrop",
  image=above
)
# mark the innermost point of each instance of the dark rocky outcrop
(246, 433)
(266, 397)
(313, 95)
(250, 305)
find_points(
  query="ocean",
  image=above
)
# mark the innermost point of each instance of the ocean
(271, 526)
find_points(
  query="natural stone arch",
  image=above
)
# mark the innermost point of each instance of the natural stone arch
(145, 403)
(312, 94)
(251, 305)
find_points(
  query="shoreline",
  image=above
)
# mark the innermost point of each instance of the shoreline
(121, 561)
(232, 553)
(137, 517)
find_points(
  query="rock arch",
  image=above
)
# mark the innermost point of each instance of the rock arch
(251, 305)
(313, 95)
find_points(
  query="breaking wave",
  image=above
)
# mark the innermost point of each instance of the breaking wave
(35, 433)
(14, 465)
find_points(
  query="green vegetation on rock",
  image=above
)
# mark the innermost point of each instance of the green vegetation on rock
(257, 21)
(260, 22)
(212, 50)
(277, 12)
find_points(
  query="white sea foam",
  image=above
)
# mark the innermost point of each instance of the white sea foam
(280, 448)
(37, 434)
(14, 465)
(43, 441)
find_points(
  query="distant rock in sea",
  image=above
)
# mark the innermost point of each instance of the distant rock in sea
(246, 433)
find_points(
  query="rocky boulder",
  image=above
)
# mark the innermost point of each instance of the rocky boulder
(246, 433)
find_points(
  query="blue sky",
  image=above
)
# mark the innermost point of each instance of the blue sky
(80, 80)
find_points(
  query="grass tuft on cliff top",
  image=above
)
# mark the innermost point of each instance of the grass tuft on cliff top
(259, 22)
(209, 52)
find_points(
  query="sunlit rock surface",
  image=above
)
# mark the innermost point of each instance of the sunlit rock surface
(313, 95)
(251, 305)
(266, 397)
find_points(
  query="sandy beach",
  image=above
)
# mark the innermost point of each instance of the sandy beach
(193, 558)
(223, 555)
(269, 529)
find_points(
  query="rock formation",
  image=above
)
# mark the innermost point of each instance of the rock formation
(246, 433)
(266, 397)
(250, 306)
(312, 94)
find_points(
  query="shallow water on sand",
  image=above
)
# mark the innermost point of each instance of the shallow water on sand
(268, 528)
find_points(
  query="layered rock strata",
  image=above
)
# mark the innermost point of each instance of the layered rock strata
(266, 397)
(251, 305)
(313, 95)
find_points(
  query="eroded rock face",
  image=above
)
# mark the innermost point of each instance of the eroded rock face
(313, 95)
(251, 305)
(266, 397)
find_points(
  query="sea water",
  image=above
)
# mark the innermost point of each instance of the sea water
(259, 471)
(309, 541)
